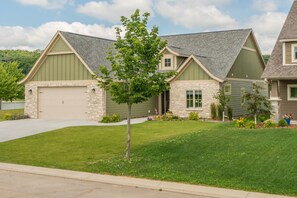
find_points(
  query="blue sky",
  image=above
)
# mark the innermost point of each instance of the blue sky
(30, 24)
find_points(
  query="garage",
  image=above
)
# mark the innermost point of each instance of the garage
(62, 103)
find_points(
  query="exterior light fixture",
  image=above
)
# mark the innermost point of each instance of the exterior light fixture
(93, 90)
(30, 91)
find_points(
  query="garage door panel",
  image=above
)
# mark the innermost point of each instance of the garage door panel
(63, 103)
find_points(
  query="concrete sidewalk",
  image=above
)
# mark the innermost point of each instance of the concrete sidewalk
(140, 183)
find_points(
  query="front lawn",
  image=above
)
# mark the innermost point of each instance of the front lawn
(213, 154)
(13, 111)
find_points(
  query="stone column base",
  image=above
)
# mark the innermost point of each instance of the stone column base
(275, 103)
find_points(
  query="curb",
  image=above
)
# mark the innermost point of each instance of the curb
(138, 183)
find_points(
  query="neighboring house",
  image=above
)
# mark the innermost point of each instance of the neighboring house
(61, 84)
(281, 69)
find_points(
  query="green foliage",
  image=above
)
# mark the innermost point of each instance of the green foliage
(7, 116)
(193, 116)
(257, 104)
(220, 112)
(223, 100)
(241, 122)
(263, 118)
(213, 110)
(14, 116)
(10, 75)
(110, 119)
(266, 58)
(26, 59)
(169, 116)
(229, 113)
(269, 124)
(282, 123)
(250, 125)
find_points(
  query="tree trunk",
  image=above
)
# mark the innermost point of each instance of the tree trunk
(223, 116)
(128, 140)
(255, 117)
(0, 104)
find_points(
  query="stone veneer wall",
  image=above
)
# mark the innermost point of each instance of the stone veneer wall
(96, 101)
(178, 97)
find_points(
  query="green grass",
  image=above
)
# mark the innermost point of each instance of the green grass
(14, 111)
(215, 154)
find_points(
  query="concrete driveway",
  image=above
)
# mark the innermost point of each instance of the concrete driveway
(10, 130)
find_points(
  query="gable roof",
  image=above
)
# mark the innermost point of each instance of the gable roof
(217, 51)
(275, 68)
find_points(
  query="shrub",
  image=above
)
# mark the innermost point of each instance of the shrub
(157, 117)
(251, 125)
(193, 116)
(220, 112)
(213, 110)
(105, 119)
(282, 123)
(229, 112)
(240, 123)
(7, 116)
(115, 118)
(269, 124)
(263, 118)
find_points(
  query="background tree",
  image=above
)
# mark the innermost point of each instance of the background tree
(257, 103)
(10, 75)
(133, 77)
(223, 100)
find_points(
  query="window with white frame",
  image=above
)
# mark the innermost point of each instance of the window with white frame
(227, 89)
(194, 99)
(294, 53)
(242, 94)
(167, 62)
(292, 92)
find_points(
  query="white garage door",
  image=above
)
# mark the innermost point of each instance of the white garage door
(63, 103)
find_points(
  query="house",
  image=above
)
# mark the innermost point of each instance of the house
(281, 70)
(61, 84)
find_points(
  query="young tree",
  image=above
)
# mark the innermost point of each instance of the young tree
(257, 103)
(223, 100)
(133, 77)
(10, 75)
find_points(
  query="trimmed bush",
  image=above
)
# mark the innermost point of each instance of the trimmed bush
(229, 113)
(9, 116)
(282, 123)
(105, 119)
(269, 124)
(193, 116)
(115, 118)
(213, 111)
(251, 125)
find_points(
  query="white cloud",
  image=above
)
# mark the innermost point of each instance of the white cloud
(267, 28)
(30, 38)
(48, 4)
(266, 5)
(112, 11)
(196, 14)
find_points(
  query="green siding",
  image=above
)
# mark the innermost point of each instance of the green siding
(138, 110)
(62, 67)
(60, 46)
(250, 42)
(180, 60)
(248, 65)
(194, 72)
(235, 98)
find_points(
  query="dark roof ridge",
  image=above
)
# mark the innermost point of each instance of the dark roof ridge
(95, 37)
(218, 31)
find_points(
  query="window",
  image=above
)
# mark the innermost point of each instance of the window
(292, 92)
(294, 53)
(167, 62)
(242, 94)
(194, 99)
(227, 89)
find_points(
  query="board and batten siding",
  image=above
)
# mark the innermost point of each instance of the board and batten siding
(62, 67)
(59, 46)
(138, 110)
(194, 72)
(235, 97)
(287, 107)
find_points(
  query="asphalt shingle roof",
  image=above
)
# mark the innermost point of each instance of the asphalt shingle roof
(275, 68)
(217, 51)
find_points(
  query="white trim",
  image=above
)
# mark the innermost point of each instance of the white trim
(247, 80)
(287, 40)
(194, 99)
(183, 66)
(60, 53)
(168, 49)
(249, 49)
(294, 50)
(289, 86)
(284, 54)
